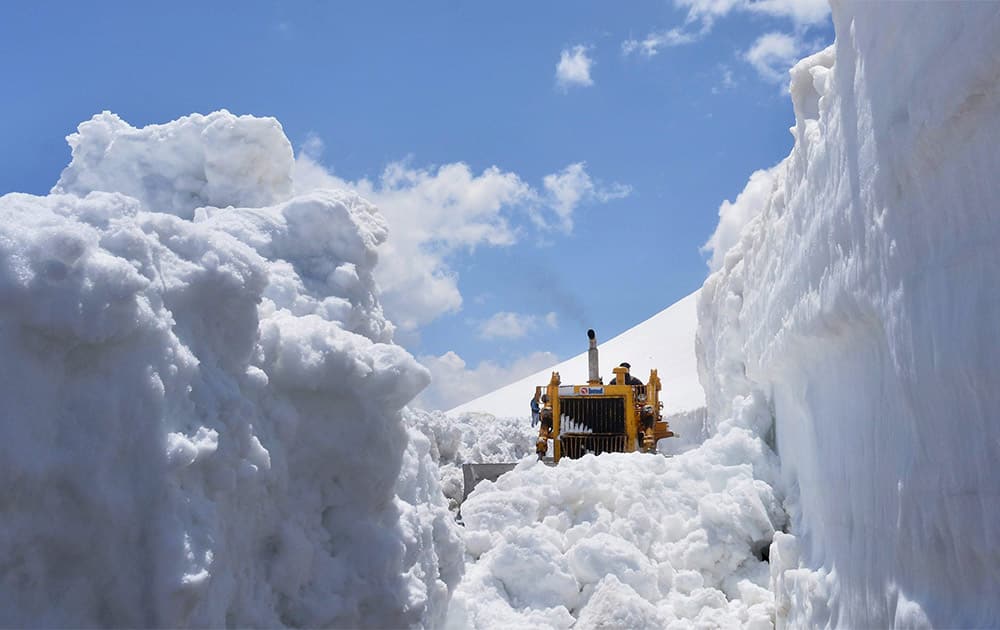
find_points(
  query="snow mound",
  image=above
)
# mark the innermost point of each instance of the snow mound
(859, 307)
(201, 421)
(664, 342)
(633, 539)
(470, 438)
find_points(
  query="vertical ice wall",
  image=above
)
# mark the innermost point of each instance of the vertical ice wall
(862, 305)
(201, 403)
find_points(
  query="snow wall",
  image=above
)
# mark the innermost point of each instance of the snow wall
(201, 400)
(860, 308)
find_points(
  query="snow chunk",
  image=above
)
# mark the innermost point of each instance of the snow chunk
(215, 160)
(617, 605)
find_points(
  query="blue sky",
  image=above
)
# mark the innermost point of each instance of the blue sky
(663, 110)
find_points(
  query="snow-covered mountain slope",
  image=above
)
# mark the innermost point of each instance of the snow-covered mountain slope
(860, 309)
(201, 401)
(664, 342)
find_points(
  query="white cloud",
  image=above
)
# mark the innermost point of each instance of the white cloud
(454, 383)
(431, 214)
(661, 39)
(726, 81)
(312, 146)
(800, 12)
(773, 54)
(706, 12)
(702, 14)
(509, 325)
(574, 68)
(571, 186)
(734, 216)
(436, 212)
(701, 17)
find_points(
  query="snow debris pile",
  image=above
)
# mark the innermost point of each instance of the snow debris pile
(624, 540)
(859, 306)
(479, 438)
(201, 420)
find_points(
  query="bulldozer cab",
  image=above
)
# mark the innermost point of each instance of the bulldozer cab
(597, 418)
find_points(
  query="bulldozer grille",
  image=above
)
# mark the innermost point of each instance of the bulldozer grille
(598, 426)
(576, 445)
(599, 415)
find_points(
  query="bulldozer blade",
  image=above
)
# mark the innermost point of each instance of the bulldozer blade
(474, 473)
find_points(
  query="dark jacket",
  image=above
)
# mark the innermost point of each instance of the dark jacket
(629, 380)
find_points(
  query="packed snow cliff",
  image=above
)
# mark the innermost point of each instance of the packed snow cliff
(201, 421)
(859, 305)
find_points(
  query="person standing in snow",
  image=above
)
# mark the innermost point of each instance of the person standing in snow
(629, 379)
(535, 410)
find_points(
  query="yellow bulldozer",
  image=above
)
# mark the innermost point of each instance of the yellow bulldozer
(620, 417)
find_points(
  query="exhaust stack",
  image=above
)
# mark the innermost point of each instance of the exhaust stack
(595, 374)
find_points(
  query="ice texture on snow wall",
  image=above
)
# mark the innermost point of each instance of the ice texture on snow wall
(861, 305)
(201, 419)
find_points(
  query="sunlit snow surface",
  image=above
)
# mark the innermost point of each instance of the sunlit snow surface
(624, 540)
